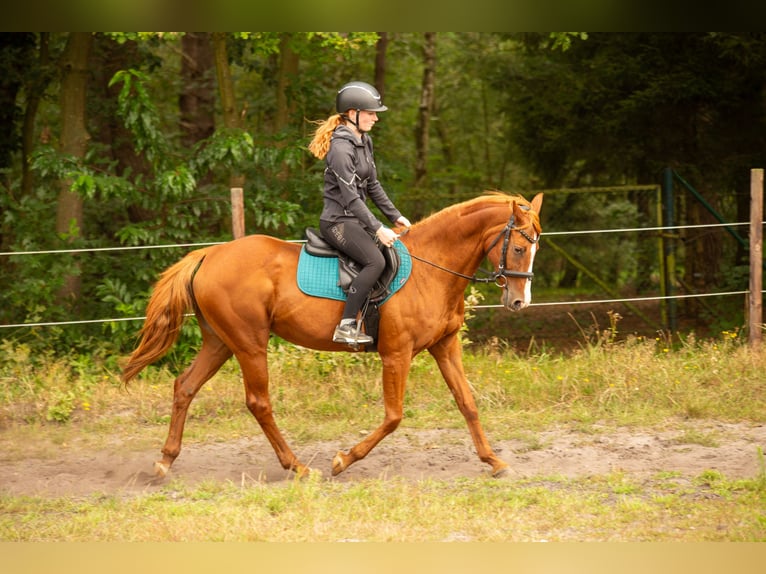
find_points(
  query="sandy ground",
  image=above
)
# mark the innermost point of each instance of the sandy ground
(421, 454)
(407, 454)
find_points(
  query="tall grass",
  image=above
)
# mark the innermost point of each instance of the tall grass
(319, 395)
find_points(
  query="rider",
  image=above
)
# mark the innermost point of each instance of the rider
(349, 179)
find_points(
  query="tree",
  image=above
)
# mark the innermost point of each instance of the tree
(16, 53)
(425, 108)
(196, 102)
(287, 71)
(37, 76)
(232, 120)
(74, 143)
(381, 46)
(621, 107)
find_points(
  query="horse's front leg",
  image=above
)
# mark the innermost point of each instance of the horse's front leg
(395, 371)
(449, 356)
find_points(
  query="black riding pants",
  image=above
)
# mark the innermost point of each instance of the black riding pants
(353, 240)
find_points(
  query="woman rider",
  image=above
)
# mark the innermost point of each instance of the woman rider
(350, 177)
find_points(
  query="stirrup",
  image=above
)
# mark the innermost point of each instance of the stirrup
(350, 335)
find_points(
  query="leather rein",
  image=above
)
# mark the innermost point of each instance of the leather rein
(501, 271)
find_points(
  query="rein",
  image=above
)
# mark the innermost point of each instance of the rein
(501, 271)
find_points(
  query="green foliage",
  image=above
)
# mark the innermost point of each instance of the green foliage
(512, 111)
(563, 40)
(48, 389)
(613, 257)
(228, 149)
(174, 208)
(140, 116)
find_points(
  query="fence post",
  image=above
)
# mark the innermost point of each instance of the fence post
(668, 256)
(237, 212)
(755, 308)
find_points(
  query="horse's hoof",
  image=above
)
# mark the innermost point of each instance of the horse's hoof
(502, 472)
(161, 469)
(338, 464)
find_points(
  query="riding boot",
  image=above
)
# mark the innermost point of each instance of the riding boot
(349, 333)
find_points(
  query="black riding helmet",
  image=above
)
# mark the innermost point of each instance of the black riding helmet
(358, 96)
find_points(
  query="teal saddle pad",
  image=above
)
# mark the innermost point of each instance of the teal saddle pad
(319, 277)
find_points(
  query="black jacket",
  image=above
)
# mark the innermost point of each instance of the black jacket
(350, 178)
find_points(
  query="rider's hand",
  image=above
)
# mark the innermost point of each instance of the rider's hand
(386, 236)
(403, 221)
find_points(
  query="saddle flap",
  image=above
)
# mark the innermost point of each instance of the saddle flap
(381, 290)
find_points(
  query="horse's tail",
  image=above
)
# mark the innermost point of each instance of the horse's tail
(171, 298)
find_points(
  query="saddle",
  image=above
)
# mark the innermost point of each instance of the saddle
(348, 269)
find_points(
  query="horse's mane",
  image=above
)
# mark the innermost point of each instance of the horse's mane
(487, 199)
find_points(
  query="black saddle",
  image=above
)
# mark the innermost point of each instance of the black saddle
(348, 269)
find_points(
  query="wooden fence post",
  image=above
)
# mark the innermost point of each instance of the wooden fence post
(755, 308)
(237, 212)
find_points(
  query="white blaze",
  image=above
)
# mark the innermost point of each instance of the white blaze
(528, 286)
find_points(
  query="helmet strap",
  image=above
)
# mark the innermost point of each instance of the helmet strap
(355, 122)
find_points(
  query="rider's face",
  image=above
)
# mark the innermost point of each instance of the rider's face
(365, 119)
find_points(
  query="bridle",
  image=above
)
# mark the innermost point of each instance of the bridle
(501, 274)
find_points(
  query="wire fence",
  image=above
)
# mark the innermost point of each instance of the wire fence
(542, 304)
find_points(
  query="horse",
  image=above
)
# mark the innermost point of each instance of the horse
(244, 290)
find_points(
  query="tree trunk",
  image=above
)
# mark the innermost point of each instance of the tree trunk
(288, 69)
(448, 152)
(74, 142)
(425, 108)
(231, 116)
(232, 119)
(197, 99)
(16, 49)
(381, 47)
(34, 90)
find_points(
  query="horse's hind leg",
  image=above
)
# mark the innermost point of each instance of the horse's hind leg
(210, 358)
(256, 378)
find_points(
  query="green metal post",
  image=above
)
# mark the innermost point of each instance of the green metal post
(669, 258)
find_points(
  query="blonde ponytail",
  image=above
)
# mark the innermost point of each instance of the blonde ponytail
(320, 144)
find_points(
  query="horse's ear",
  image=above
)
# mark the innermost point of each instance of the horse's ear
(537, 203)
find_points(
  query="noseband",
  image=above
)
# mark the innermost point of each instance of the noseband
(499, 275)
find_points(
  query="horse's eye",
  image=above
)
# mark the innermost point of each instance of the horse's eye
(518, 250)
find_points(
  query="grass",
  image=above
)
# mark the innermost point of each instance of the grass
(46, 403)
(605, 508)
(637, 382)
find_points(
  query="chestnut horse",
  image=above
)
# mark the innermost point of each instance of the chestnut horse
(244, 290)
